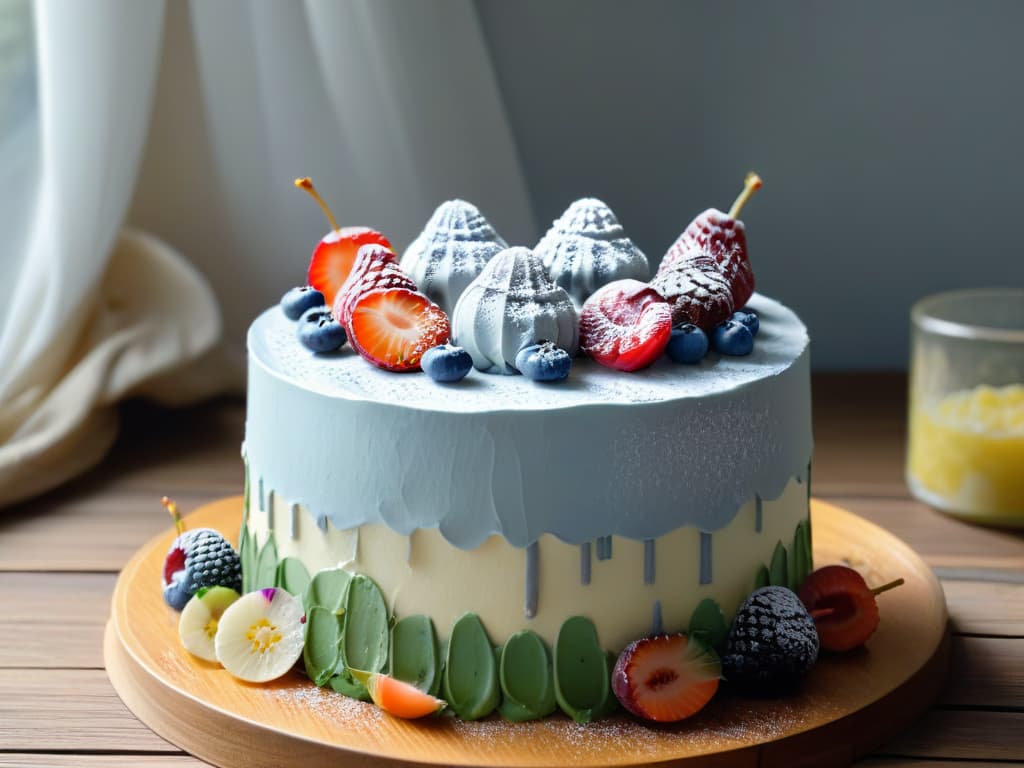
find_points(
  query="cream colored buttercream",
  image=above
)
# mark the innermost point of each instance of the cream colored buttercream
(424, 573)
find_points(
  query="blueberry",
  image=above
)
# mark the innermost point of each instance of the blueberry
(543, 362)
(176, 592)
(446, 363)
(732, 338)
(298, 300)
(749, 318)
(320, 332)
(687, 344)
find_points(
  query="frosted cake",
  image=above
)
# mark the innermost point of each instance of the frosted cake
(620, 497)
(486, 478)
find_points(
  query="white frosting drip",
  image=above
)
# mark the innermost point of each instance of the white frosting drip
(586, 248)
(511, 304)
(451, 251)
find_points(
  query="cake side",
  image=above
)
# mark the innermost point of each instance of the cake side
(627, 587)
(602, 455)
(624, 499)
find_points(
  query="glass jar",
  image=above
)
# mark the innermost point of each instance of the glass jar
(965, 452)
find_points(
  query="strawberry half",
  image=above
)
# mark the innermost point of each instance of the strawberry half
(843, 606)
(334, 256)
(625, 325)
(666, 678)
(393, 327)
(375, 267)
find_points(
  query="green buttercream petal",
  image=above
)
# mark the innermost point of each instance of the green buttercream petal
(527, 678)
(471, 673)
(516, 713)
(292, 576)
(266, 566)
(778, 571)
(415, 656)
(762, 579)
(364, 642)
(345, 684)
(322, 653)
(245, 494)
(795, 561)
(609, 704)
(708, 623)
(328, 590)
(247, 555)
(803, 547)
(792, 568)
(582, 674)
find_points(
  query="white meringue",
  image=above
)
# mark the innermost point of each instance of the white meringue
(511, 304)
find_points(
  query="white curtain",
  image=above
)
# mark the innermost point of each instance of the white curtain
(391, 106)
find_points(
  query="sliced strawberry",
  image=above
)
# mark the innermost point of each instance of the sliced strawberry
(393, 327)
(666, 678)
(697, 291)
(375, 267)
(334, 256)
(843, 606)
(625, 325)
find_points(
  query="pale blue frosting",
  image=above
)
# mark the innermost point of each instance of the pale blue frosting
(606, 452)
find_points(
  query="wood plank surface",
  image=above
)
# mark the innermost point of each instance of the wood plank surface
(964, 735)
(68, 709)
(942, 541)
(59, 555)
(50, 760)
(986, 608)
(903, 762)
(69, 610)
(985, 673)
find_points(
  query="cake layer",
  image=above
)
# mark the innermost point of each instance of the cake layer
(636, 456)
(624, 586)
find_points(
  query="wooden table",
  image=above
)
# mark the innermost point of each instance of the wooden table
(59, 557)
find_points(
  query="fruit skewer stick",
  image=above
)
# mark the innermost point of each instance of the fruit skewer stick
(751, 184)
(886, 587)
(172, 508)
(822, 613)
(306, 184)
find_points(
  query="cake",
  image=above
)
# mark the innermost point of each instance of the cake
(621, 497)
(576, 479)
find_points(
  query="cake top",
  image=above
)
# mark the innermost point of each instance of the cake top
(781, 340)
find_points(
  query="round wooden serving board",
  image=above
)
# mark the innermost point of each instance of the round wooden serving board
(849, 704)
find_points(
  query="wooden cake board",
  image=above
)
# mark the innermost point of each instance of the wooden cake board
(849, 705)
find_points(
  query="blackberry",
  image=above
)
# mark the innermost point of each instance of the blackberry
(210, 561)
(772, 644)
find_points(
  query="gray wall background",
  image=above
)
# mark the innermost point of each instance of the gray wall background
(889, 135)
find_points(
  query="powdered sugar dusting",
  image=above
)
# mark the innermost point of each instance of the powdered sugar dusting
(727, 722)
(345, 375)
(587, 248)
(451, 251)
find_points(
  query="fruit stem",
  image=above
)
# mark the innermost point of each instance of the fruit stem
(886, 587)
(821, 613)
(306, 184)
(171, 507)
(751, 184)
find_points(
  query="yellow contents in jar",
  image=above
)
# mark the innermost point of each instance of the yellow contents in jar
(966, 453)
